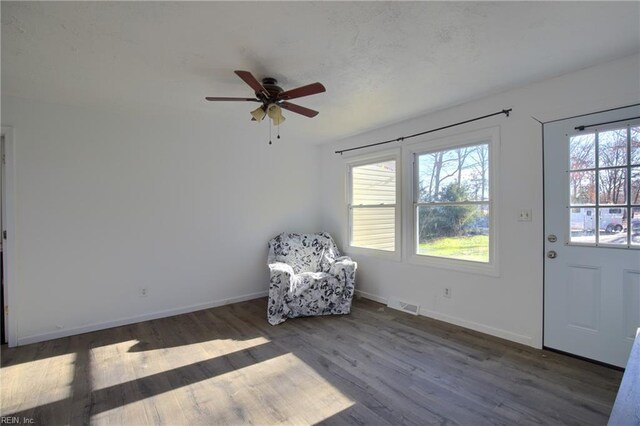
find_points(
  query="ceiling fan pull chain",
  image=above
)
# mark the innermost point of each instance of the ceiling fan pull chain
(269, 132)
(278, 130)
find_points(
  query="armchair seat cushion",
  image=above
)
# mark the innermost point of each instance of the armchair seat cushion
(311, 282)
(308, 277)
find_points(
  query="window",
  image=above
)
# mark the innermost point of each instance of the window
(373, 205)
(452, 217)
(452, 203)
(449, 214)
(604, 187)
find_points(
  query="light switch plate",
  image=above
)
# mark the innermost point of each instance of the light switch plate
(525, 215)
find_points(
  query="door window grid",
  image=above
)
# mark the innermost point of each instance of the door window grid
(604, 188)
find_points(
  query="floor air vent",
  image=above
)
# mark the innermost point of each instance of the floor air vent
(403, 306)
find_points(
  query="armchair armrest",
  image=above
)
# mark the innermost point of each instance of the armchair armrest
(279, 284)
(344, 269)
(282, 268)
(343, 263)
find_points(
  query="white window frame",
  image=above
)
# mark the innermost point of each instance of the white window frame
(361, 160)
(490, 136)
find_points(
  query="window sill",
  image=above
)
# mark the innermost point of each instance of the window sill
(382, 254)
(465, 266)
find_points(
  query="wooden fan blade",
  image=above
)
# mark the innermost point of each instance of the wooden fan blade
(309, 89)
(298, 109)
(248, 78)
(214, 98)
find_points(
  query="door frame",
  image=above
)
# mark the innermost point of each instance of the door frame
(8, 249)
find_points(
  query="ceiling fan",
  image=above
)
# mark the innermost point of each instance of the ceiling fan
(273, 97)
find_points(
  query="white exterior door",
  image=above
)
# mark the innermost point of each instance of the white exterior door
(592, 234)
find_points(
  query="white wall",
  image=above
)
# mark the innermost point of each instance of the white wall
(109, 202)
(508, 306)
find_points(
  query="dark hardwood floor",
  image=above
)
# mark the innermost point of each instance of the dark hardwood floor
(229, 366)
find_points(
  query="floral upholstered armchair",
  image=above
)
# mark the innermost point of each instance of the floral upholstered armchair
(308, 277)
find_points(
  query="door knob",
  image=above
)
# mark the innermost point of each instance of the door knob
(552, 238)
(552, 254)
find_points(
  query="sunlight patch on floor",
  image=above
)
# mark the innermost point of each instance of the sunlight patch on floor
(134, 413)
(55, 374)
(118, 364)
(281, 389)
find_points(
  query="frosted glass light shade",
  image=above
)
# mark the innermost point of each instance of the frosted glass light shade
(258, 113)
(275, 114)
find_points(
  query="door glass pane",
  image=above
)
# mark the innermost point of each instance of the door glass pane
(635, 145)
(612, 146)
(374, 183)
(611, 226)
(582, 225)
(635, 185)
(613, 186)
(582, 187)
(582, 152)
(635, 225)
(373, 228)
(457, 232)
(617, 171)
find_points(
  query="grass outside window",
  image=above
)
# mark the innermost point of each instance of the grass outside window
(473, 248)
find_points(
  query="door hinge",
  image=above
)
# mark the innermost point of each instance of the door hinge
(4, 235)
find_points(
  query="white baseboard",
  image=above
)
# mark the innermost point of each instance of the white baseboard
(371, 296)
(139, 318)
(482, 328)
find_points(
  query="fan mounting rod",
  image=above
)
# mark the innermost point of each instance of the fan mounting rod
(271, 86)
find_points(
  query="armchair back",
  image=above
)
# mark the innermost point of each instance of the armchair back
(304, 252)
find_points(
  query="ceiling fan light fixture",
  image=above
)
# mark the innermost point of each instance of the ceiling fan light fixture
(258, 113)
(275, 114)
(273, 98)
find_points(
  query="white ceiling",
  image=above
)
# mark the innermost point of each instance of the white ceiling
(381, 62)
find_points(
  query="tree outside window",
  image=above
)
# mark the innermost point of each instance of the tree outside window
(453, 203)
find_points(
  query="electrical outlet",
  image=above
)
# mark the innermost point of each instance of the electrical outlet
(447, 292)
(143, 292)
